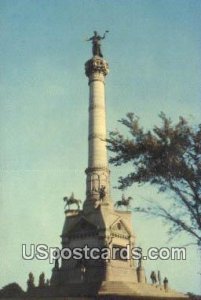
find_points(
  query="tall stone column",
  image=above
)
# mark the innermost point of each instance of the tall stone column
(97, 190)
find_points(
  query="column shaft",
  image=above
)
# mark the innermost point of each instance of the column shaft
(97, 172)
(97, 156)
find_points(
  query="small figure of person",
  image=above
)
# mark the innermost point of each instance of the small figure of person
(96, 41)
(153, 277)
(165, 284)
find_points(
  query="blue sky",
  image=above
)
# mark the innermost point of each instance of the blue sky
(153, 49)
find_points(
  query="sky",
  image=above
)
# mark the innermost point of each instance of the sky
(154, 52)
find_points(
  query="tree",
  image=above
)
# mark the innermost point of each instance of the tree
(12, 290)
(168, 157)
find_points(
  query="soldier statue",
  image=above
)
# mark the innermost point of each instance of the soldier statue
(56, 265)
(159, 277)
(42, 280)
(102, 192)
(96, 41)
(30, 282)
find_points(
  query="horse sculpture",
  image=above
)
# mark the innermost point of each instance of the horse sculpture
(71, 200)
(124, 202)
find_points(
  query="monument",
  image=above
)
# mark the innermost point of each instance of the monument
(99, 224)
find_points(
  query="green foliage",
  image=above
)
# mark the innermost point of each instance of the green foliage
(11, 290)
(168, 157)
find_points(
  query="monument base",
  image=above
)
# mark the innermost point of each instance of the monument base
(108, 290)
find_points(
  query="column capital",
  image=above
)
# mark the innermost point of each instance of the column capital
(96, 65)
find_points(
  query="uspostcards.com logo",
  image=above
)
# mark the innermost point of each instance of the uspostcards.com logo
(43, 252)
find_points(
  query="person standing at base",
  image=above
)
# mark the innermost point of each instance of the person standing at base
(165, 284)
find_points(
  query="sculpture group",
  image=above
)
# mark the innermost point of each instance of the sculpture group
(102, 193)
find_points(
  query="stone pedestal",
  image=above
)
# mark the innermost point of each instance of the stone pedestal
(141, 275)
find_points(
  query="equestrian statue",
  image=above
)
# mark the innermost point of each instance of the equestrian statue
(123, 202)
(71, 200)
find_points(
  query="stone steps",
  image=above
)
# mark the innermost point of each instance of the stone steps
(131, 289)
(159, 290)
(120, 288)
(116, 289)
